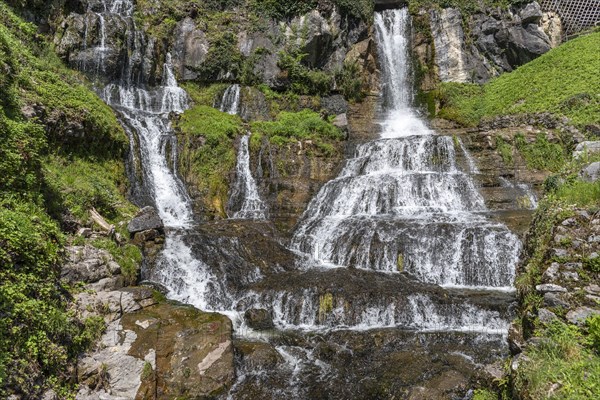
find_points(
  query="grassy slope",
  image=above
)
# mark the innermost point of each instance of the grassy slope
(45, 172)
(564, 81)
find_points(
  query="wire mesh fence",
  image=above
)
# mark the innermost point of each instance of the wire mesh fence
(576, 15)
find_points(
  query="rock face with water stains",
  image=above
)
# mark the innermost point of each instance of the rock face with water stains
(477, 47)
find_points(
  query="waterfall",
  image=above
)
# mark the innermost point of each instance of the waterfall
(401, 203)
(245, 201)
(230, 103)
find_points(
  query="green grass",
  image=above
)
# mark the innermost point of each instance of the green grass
(302, 125)
(128, 256)
(78, 184)
(565, 81)
(566, 359)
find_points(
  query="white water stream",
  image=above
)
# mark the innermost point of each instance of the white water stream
(401, 203)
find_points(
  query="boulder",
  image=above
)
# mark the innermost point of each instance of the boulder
(334, 105)
(591, 173)
(162, 351)
(546, 316)
(259, 319)
(531, 13)
(549, 287)
(588, 147)
(580, 314)
(146, 219)
(341, 121)
(88, 264)
(190, 48)
(555, 300)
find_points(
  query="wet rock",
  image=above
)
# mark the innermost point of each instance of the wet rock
(588, 147)
(580, 314)
(549, 287)
(555, 300)
(516, 342)
(259, 319)
(88, 264)
(258, 355)
(146, 219)
(546, 316)
(334, 105)
(253, 105)
(591, 173)
(142, 237)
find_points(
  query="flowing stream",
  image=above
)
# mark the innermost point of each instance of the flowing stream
(369, 255)
(401, 203)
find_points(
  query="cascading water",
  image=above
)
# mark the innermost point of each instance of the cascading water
(230, 103)
(401, 203)
(245, 201)
(145, 113)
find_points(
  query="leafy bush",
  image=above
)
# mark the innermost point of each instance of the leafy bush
(38, 339)
(541, 154)
(564, 358)
(349, 82)
(304, 80)
(281, 9)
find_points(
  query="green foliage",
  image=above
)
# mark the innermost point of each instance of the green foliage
(304, 80)
(564, 81)
(204, 95)
(208, 154)
(505, 150)
(78, 184)
(44, 169)
(223, 57)
(361, 9)
(562, 358)
(128, 256)
(484, 394)
(580, 193)
(302, 125)
(281, 9)
(593, 326)
(541, 154)
(35, 331)
(349, 82)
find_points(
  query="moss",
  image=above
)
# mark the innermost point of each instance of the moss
(207, 152)
(564, 81)
(303, 125)
(325, 305)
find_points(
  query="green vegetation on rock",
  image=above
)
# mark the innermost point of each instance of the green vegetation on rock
(564, 365)
(565, 81)
(303, 125)
(61, 151)
(207, 153)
